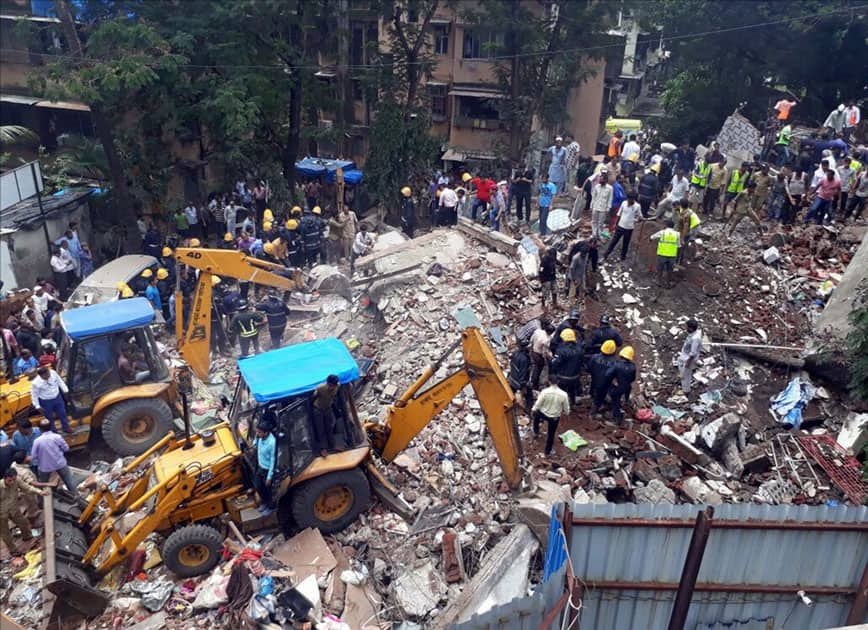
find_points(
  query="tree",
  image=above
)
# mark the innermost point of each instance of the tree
(16, 134)
(748, 50)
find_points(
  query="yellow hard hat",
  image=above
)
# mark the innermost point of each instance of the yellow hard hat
(655, 168)
(268, 215)
(608, 347)
(317, 210)
(228, 237)
(194, 242)
(626, 353)
(466, 177)
(568, 334)
(295, 210)
(167, 251)
(215, 280)
(162, 274)
(269, 248)
(147, 273)
(120, 285)
(127, 292)
(292, 224)
(633, 158)
(406, 191)
(266, 226)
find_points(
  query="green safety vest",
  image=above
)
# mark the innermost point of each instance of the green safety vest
(667, 246)
(694, 219)
(785, 135)
(855, 165)
(737, 182)
(700, 176)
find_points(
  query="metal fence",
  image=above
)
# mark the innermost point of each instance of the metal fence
(628, 560)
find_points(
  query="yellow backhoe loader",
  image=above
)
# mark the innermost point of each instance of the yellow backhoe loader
(184, 485)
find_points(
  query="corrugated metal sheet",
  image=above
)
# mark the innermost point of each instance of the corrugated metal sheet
(525, 613)
(732, 556)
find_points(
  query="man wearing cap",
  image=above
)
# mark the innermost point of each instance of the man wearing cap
(266, 459)
(48, 393)
(601, 334)
(558, 165)
(245, 324)
(618, 381)
(293, 241)
(598, 366)
(408, 212)
(276, 312)
(567, 364)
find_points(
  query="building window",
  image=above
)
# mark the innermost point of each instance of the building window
(481, 44)
(441, 39)
(438, 102)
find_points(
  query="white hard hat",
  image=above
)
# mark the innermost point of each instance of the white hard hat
(840, 108)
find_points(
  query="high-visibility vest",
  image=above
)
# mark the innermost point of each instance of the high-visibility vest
(855, 165)
(614, 146)
(785, 135)
(737, 182)
(667, 246)
(247, 332)
(694, 219)
(700, 175)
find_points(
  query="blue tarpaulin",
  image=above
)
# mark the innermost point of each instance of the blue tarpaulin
(787, 406)
(352, 176)
(297, 369)
(107, 317)
(317, 167)
(556, 548)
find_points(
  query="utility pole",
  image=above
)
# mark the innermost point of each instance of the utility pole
(344, 108)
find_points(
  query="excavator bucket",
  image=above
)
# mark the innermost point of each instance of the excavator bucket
(70, 581)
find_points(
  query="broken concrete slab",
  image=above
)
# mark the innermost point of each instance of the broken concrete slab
(361, 606)
(756, 459)
(681, 447)
(655, 492)
(502, 577)
(307, 553)
(535, 508)
(854, 433)
(496, 259)
(418, 590)
(496, 240)
(698, 491)
(717, 433)
(329, 279)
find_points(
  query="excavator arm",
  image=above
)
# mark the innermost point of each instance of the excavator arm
(414, 410)
(194, 342)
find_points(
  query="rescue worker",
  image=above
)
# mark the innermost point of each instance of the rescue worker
(11, 490)
(567, 364)
(744, 208)
(311, 228)
(294, 244)
(519, 376)
(668, 243)
(276, 312)
(219, 340)
(268, 232)
(164, 287)
(699, 182)
(597, 367)
(572, 323)
(687, 224)
(124, 291)
(245, 323)
(619, 381)
(408, 212)
(140, 284)
(601, 334)
(266, 457)
(717, 178)
(782, 145)
(737, 182)
(323, 414)
(228, 241)
(168, 261)
(552, 405)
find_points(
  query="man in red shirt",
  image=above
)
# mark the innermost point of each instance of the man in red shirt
(484, 187)
(827, 192)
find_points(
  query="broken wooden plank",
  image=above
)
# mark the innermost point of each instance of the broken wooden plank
(366, 280)
(495, 240)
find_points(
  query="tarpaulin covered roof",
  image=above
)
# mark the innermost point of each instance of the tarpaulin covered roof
(317, 167)
(351, 176)
(108, 317)
(297, 369)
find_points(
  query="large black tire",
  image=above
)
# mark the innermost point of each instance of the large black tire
(133, 426)
(192, 550)
(331, 502)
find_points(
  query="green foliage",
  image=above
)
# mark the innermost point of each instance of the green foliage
(857, 344)
(16, 134)
(815, 54)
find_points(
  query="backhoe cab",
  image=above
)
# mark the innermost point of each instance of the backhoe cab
(133, 406)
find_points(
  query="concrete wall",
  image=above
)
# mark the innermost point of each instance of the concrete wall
(584, 108)
(851, 293)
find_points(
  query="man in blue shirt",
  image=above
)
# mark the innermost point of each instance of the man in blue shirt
(266, 456)
(547, 190)
(22, 439)
(24, 363)
(153, 293)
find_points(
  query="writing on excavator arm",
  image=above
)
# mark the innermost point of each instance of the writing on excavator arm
(414, 410)
(194, 339)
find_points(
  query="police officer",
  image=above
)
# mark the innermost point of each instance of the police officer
(598, 366)
(168, 262)
(408, 212)
(311, 228)
(519, 373)
(571, 323)
(567, 364)
(601, 334)
(619, 381)
(164, 286)
(245, 323)
(276, 312)
(294, 243)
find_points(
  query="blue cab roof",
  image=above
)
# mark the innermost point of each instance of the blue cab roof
(297, 369)
(107, 317)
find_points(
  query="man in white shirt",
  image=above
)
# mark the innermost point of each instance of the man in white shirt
(552, 405)
(192, 218)
(630, 148)
(47, 392)
(628, 214)
(229, 214)
(852, 117)
(540, 354)
(820, 173)
(447, 214)
(601, 202)
(64, 270)
(689, 356)
(677, 192)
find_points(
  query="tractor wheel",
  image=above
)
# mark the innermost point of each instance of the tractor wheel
(331, 502)
(133, 426)
(192, 550)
